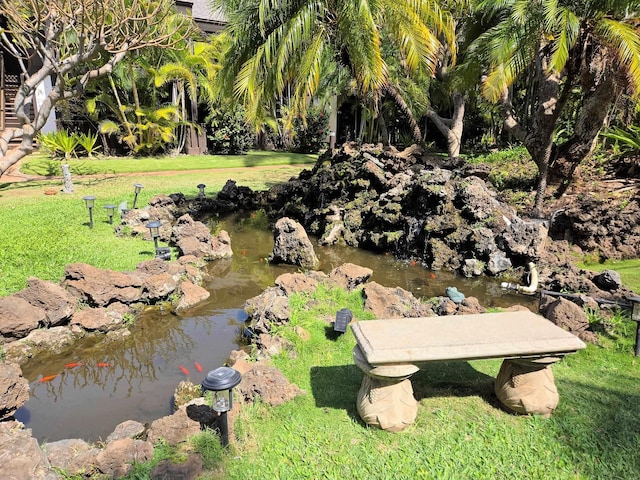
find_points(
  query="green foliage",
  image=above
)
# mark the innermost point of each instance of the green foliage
(310, 136)
(231, 135)
(627, 139)
(207, 444)
(89, 142)
(59, 143)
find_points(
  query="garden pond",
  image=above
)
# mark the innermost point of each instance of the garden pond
(86, 392)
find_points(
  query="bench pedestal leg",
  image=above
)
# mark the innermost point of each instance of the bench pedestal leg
(527, 386)
(385, 398)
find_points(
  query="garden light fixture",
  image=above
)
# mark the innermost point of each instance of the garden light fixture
(635, 315)
(154, 230)
(220, 383)
(110, 211)
(343, 318)
(201, 188)
(90, 202)
(136, 190)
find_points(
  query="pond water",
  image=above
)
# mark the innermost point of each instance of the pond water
(101, 384)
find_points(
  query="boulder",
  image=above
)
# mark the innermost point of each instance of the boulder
(387, 302)
(571, 318)
(292, 245)
(189, 469)
(349, 276)
(267, 383)
(99, 288)
(21, 458)
(72, 456)
(296, 282)
(173, 429)
(161, 208)
(608, 280)
(19, 317)
(191, 295)
(194, 238)
(126, 429)
(158, 287)
(57, 303)
(117, 459)
(525, 239)
(14, 389)
(52, 340)
(269, 308)
(100, 319)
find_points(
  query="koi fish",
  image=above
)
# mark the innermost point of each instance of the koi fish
(198, 366)
(48, 378)
(243, 252)
(413, 263)
(103, 364)
(183, 370)
(433, 275)
(73, 365)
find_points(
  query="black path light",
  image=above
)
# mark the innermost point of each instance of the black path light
(110, 211)
(201, 187)
(154, 229)
(90, 202)
(136, 190)
(635, 315)
(343, 318)
(220, 383)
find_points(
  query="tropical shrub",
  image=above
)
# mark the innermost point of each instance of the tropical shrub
(310, 136)
(59, 144)
(230, 133)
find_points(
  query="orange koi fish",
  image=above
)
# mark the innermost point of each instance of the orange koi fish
(183, 370)
(198, 366)
(243, 252)
(433, 275)
(413, 263)
(73, 365)
(48, 378)
(103, 364)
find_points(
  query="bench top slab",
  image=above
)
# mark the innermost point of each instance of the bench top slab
(519, 334)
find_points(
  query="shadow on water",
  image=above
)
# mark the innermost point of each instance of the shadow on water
(134, 378)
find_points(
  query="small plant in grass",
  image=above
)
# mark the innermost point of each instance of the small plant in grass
(207, 444)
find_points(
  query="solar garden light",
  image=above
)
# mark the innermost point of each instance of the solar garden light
(90, 202)
(343, 318)
(635, 315)
(110, 210)
(220, 383)
(136, 190)
(154, 230)
(201, 188)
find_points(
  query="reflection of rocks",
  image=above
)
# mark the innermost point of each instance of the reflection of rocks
(292, 245)
(14, 389)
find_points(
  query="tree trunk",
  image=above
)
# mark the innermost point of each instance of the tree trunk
(452, 127)
(591, 119)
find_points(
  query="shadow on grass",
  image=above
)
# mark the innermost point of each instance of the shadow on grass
(337, 387)
(601, 425)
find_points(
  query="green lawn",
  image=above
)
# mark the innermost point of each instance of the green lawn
(40, 234)
(43, 165)
(460, 431)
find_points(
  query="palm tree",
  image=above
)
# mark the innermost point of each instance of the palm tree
(588, 47)
(280, 44)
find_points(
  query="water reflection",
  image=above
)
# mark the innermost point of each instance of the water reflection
(134, 378)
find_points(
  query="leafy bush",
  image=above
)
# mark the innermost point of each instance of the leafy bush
(626, 139)
(312, 137)
(231, 135)
(59, 144)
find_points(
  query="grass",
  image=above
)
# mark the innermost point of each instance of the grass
(40, 234)
(43, 165)
(460, 431)
(629, 270)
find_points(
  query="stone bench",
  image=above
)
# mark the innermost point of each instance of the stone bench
(390, 351)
